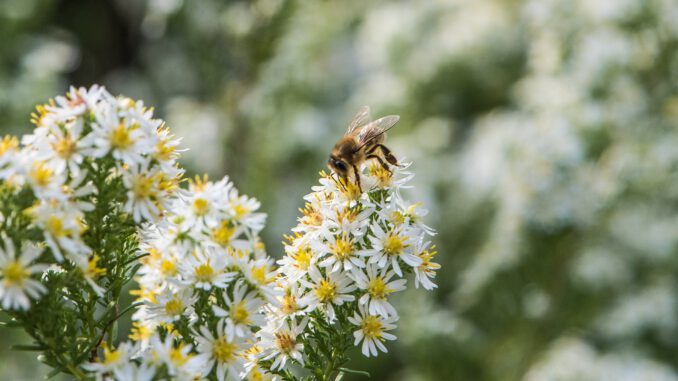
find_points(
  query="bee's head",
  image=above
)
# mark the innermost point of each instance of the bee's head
(338, 166)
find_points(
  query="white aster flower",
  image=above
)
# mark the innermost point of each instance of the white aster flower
(378, 286)
(113, 359)
(205, 269)
(326, 291)
(244, 310)
(225, 350)
(343, 254)
(391, 246)
(16, 284)
(280, 343)
(372, 331)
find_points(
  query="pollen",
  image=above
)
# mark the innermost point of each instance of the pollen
(164, 152)
(239, 314)
(141, 332)
(201, 206)
(55, 227)
(377, 288)
(302, 257)
(64, 147)
(177, 357)
(174, 307)
(326, 291)
(93, 271)
(289, 304)
(111, 356)
(168, 268)
(285, 342)
(142, 187)
(204, 272)
(381, 174)
(120, 137)
(14, 274)
(394, 244)
(224, 233)
(240, 211)
(259, 274)
(41, 174)
(342, 248)
(8, 143)
(372, 327)
(223, 350)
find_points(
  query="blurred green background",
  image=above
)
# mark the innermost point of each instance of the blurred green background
(543, 134)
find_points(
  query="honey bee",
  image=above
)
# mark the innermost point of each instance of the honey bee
(362, 141)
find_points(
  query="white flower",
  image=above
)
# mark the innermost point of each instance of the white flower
(16, 284)
(390, 246)
(280, 342)
(328, 290)
(377, 289)
(205, 269)
(225, 350)
(241, 209)
(372, 331)
(180, 362)
(343, 254)
(124, 137)
(62, 225)
(134, 372)
(143, 192)
(243, 310)
(426, 271)
(113, 359)
(169, 306)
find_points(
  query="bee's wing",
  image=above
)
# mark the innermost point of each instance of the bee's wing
(360, 119)
(376, 129)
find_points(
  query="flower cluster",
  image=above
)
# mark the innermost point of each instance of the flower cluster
(346, 257)
(202, 289)
(85, 144)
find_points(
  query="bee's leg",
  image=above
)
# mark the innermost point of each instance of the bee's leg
(357, 178)
(387, 154)
(380, 162)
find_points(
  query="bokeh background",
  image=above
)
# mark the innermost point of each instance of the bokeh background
(543, 135)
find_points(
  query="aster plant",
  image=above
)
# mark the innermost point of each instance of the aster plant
(91, 201)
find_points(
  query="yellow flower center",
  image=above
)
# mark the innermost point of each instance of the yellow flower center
(168, 268)
(289, 304)
(163, 152)
(381, 174)
(41, 174)
(55, 226)
(342, 248)
(394, 244)
(204, 272)
(111, 356)
(372, 327)
(14, 274)
(142, 187)
(93, 271)
(223, 234)
(120, 137)
(174, 307)
(8, 143)
(398, 218)
(177, 357)
(377, 288)
(285, 342)
(223, 350)
(65, 147)
(302, 257)
(259, 274)
(311, 216)
(201, 206)
(240, 211)
(326, 291)
(140, 332)
(239, 314)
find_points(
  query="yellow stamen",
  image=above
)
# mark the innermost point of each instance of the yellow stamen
(326, 291)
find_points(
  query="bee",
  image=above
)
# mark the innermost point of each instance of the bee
(362, 141)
